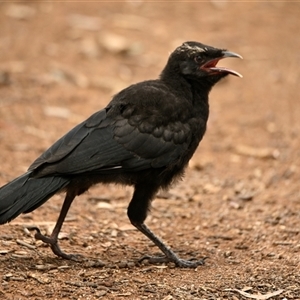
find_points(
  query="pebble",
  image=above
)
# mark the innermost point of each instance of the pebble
(84, 22)
(20, 11)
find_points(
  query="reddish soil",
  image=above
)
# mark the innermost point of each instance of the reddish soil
(239, 203)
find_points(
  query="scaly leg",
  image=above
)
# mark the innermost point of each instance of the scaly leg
(53, 239)
(137, 212)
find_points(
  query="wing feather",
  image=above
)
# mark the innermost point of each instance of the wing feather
(118, 140)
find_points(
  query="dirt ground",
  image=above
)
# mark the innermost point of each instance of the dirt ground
(239, 204)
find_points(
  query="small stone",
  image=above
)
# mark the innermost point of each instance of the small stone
(4, 78)
(122, 264)
(84, 22)
(20, 11)
(89, 48)
(55, 111)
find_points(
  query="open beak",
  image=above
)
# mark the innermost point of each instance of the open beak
(211, 65)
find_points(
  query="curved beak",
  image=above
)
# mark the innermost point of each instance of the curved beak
(212, 67)
(231, 54)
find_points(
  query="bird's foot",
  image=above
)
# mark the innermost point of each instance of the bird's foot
(170, 256)
(181, 263)
(57, 251)
(52, 241)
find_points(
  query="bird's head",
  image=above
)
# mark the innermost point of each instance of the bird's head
(197, 61)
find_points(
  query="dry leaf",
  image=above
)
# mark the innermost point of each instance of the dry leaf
(39, 278)
(84, 22)
(257, 152)
(105, 205)
(259, 297)
(55, 111)
(19, 11)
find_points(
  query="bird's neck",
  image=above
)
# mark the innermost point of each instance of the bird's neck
(200, 86)
(200, 99)
(195, 91)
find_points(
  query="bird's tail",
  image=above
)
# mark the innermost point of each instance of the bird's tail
(25, 193)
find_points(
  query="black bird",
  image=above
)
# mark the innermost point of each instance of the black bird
(144, 137)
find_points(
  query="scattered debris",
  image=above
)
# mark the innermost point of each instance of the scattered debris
(36, 132)
(127, 21)
(114, 43)
(25, 244)
(55, 111)
(45, 267)
(105, 205)
(13, 66)
(4, 78)
(118, 44)
(39, 278)
(247, 190)
(257, 152)
(60, 73)
(20, 11)
(84, 22)
(89, 48)
(107, 84)
(259, 296)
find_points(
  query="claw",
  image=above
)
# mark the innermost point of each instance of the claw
(54, 245)
(182, 263)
